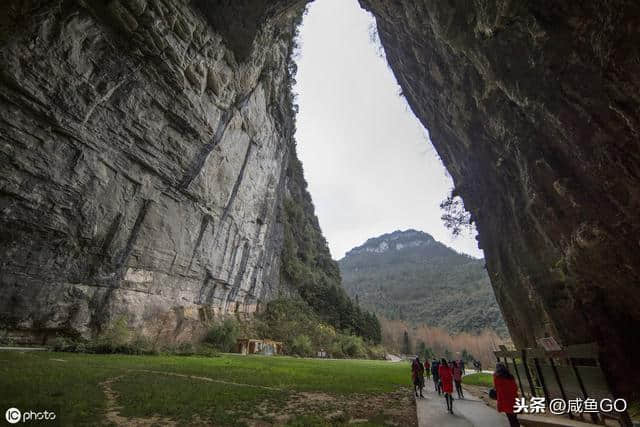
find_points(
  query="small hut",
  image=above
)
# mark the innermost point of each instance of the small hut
(256, 346)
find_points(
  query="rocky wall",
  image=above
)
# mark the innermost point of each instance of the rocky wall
(533, 107)
(142, 166)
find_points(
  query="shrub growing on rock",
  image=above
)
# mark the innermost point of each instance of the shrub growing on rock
(223, 336)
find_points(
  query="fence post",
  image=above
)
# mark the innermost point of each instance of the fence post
(515, 368)
(594, 417)
(541, 378)
(555, 373)
(526, 371)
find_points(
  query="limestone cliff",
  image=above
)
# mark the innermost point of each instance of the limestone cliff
(533, 107)
(142, 162)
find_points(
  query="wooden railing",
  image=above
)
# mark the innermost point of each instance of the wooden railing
(570, 373)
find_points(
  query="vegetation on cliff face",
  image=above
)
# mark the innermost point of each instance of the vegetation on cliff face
(304, 332)
(410, 276)
(307, 266)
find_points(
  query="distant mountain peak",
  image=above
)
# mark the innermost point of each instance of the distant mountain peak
(394, 241)
(408, 275)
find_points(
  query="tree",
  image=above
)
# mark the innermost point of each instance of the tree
(223, 336)
(423, 351)
(332, 303)
(376, 334)
(467, 357)
(455, 217)
(347, 316)
(406, 344)
(428, 353)
(447, 354)
(302, 346)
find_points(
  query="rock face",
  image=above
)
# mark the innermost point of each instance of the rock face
(143, 147)
(533, 107)
(142, 165)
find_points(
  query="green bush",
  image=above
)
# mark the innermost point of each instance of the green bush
(8, 341)
(206, 350)
(118, 333)
(115, 339)
(302, 346)
(353, 346)
(376, 352)
(336, 350)
(223, 336)
(70, 345)
(141, 345)
(323, 335)
(479, 378)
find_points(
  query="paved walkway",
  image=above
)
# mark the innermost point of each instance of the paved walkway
(468, 412)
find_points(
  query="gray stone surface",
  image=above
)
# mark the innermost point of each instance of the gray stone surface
(533, 107)
(142, 167)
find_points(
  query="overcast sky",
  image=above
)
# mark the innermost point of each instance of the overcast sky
(369, 163)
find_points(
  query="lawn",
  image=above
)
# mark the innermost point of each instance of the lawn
(480, 379)
(85, 389)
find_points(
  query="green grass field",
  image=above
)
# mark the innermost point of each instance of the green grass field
(480, 379)
(92, 389)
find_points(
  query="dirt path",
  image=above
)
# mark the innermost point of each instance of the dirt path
(195, 377)
(112, 411)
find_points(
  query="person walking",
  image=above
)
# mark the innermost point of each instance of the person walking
(507, 391)
(427, 369)
(417, 374)
(436, 377)
(446, 378)
(457, 378)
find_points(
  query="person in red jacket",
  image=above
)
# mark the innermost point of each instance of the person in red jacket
(417, 374)
(446, 377)
(507, 391)
(427, 369)
(457, 378)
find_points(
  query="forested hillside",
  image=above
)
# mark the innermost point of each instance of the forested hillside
(407, 275)
(307, 265)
